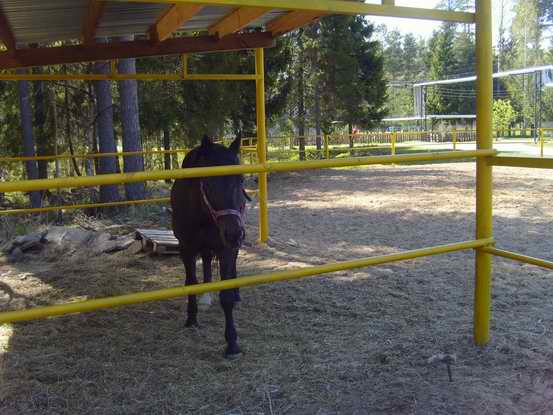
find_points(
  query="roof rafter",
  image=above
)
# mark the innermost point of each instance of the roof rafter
(291, 21)
(333, 7)
(6, 35)
(173, 18)
(92, 19)
(236, 20)
(133, 49)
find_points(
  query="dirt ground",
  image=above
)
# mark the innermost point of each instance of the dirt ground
(356, 342)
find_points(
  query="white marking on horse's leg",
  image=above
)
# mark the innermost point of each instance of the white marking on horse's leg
(205, 299)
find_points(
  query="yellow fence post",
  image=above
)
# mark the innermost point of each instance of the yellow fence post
(454, 138)
(484, 174)
(541, 142)
(393, 142)
(261, 144)
(327, 149)
(114, 70)
(184, 64)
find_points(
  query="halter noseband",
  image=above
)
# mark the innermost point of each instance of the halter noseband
(216, 214)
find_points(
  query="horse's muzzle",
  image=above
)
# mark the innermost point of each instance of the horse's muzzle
(232, 231)
(234, 239)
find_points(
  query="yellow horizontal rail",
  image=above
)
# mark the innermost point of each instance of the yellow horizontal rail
(530, 162)
(85, 206)
(165, 294)
(104, 179)
(519, 257)
(93, 155)
(371, 160)
(122, 77)
(332, 7)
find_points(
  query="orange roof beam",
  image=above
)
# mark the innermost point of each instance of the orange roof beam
(237, 20)
(92, 20)
(6, 34)
(171, 20)
(44, 56)
(293, 20)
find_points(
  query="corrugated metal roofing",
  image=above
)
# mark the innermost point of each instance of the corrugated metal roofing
(121, 19)
(34, 21)
(40, 21)
(206, 17)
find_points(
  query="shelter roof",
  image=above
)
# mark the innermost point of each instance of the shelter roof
(158, 27)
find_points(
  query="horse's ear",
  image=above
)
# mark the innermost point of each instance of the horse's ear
(206, 143)
(235, 146)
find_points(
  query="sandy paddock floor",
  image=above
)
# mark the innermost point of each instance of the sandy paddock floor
(356, 342)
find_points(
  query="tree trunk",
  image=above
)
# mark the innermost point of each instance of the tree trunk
(318, 132)
(40, 126)
(350, 132)
(68, 131)
(128, 93)
(167, 147)
(301, 97)
(28, 139)
(53, 132)
(104, 125)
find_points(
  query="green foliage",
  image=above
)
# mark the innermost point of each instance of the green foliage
(443, 61)
(353, 75)
(191, 109)
(503, 114)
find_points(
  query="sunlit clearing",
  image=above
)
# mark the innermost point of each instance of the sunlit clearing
(6, 332)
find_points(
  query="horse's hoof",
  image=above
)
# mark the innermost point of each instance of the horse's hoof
(192, 323)
(233, 354)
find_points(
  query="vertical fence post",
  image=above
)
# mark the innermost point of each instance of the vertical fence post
(261, 143)
(327, 150)
(393, 142)
(484, 177)
(184, 64)
(454, 138)
(113, 63)
(541, 142)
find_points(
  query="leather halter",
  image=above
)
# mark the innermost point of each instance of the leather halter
(216, 214)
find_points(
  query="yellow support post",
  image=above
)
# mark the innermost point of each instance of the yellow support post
(541, 142)
(394, 140)
(484, 174)
(114, 70)
(261, 144)
(184, 64)
(327, 149)
(454, 138)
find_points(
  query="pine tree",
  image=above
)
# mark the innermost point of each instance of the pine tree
(128, 94)
(443, 63)
(353, 75)
(526, 35)
(28, 139)
(106, 137)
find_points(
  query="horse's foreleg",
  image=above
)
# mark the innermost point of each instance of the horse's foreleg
(227, 266)
(190, 266)
(234, 275)
(207, 258)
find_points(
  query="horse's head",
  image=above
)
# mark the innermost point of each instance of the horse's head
(224, 196)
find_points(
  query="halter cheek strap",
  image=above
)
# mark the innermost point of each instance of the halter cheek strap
(216, 214)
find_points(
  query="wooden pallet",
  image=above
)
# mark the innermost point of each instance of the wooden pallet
(158, 241)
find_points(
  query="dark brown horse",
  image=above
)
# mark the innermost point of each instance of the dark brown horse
(208, 221)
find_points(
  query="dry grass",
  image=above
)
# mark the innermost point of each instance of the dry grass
(353, 343)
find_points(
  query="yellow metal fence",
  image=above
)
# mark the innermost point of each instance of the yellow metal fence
(286, 148)
(485, 159)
